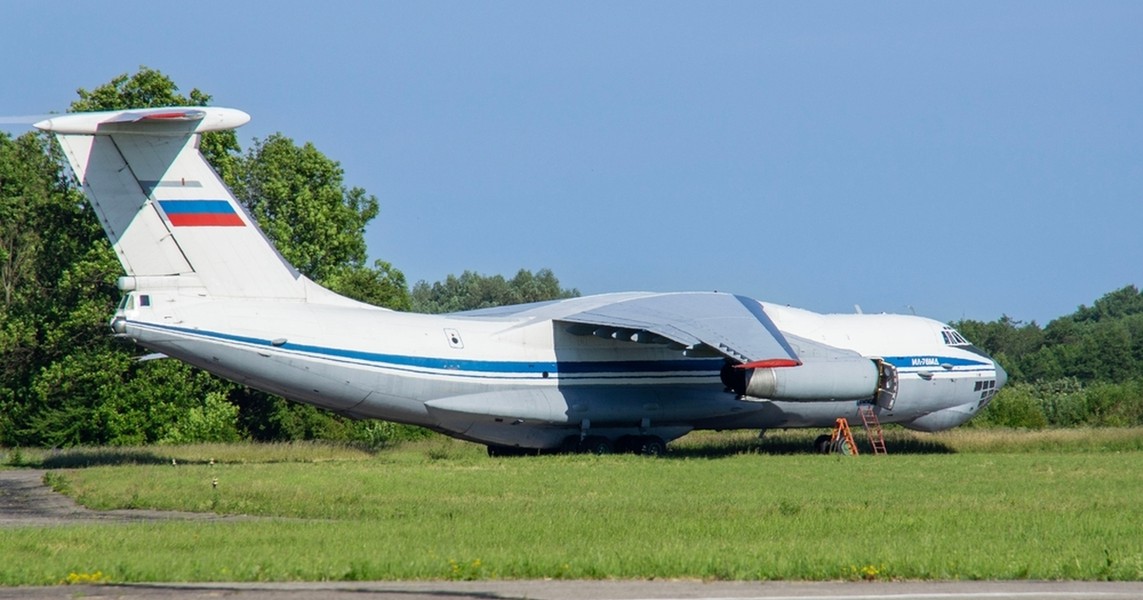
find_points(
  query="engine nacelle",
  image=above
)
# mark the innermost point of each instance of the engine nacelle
(853, 379)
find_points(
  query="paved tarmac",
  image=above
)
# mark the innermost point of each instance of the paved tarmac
(26, 502)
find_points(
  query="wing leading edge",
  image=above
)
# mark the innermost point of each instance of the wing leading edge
(699, 323)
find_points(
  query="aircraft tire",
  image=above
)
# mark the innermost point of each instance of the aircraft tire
(821, 444)
(597, 444)
(843, 447)
(652, 445)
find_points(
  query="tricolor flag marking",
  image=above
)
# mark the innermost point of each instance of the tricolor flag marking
(201, 213)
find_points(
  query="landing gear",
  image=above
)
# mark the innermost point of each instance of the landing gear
(821, 444)
(646, 445)
(840, 441)
(596, 444)
(500, 451)
(650, 445)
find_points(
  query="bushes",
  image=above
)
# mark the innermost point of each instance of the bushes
(1065, 403)
(1017, 407)
(215, 421)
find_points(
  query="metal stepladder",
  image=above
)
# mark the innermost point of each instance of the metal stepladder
(841, 439)
(872, 427)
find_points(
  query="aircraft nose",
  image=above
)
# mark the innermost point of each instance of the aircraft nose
(1001, 375)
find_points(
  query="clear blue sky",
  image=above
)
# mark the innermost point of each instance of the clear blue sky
(966, 159)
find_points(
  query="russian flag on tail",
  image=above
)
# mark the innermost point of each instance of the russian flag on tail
(201, 213)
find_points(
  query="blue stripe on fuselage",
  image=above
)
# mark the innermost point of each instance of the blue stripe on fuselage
(687, 367)
(929, 361)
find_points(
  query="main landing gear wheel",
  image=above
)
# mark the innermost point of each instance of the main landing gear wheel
(651, 446)
(646, 445)
(596, 445)
(821, 444)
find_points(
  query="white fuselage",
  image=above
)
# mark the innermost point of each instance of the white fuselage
(521, 380)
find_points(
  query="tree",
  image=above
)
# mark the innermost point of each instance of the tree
(297, 196)
(1119, 304)
(381, 285)
(57, 275)
(472, 290)
(64, 379)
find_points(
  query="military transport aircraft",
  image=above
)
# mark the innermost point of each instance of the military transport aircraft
(624, 371)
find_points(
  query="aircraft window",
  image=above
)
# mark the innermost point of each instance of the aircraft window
(953, 338)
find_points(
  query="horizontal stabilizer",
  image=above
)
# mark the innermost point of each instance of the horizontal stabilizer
(149, 121)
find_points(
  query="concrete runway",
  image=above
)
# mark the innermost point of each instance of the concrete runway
(26, 502)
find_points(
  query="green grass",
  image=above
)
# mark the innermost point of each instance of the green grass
(720, 507)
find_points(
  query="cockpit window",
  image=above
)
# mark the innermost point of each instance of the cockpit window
(953, 337)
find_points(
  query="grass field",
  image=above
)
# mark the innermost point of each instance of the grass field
(964, 505)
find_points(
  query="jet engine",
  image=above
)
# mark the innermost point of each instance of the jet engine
(843, 379)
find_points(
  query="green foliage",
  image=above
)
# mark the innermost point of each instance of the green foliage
(215, 421)
(299, 200)
(1065, 403)
(382, 285)
(1015, 406)
(471, 291)
(268, 418)
(58, 282)
(1103, 343)
(105, 396)
(1082, 369)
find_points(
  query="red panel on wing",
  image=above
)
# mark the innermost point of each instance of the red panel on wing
(770, 363)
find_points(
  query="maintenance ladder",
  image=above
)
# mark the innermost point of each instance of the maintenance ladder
(872, 427)
(841, 440)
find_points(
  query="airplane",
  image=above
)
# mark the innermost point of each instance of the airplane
(627, 371)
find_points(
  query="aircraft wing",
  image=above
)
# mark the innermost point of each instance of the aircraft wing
(699, 323)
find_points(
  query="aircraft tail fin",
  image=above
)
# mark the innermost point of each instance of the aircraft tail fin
(168, 215)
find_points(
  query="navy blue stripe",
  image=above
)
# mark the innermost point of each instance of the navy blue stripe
(932, 361)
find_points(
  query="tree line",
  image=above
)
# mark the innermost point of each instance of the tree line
(1082, 369)
(64, 380)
